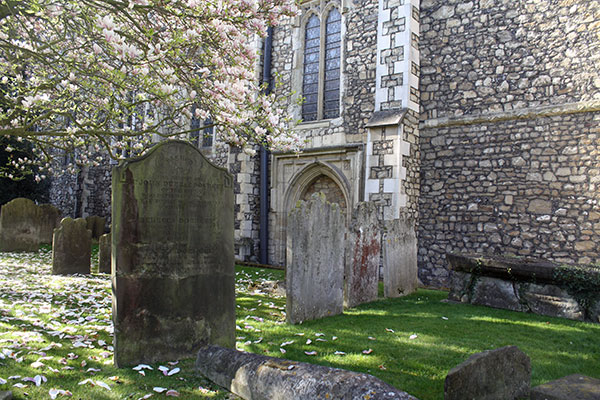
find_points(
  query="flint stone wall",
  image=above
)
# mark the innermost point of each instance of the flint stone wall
(258, 377)
(523, 285)
(20, 225)
(315, 256)
(172, 235)
(400, 258)
(71, 247)
(363, 254)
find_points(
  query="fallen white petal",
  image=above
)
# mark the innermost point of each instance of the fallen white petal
(411, 337)
(173, 371)
(159, 389)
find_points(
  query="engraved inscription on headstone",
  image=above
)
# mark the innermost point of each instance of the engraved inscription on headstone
(172, 234)
(315, 254)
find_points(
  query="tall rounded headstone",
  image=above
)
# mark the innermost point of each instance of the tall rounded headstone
(50, 218)
(71, 247)
(104, 254)
(363, 254)
(315, 260)
(172, 238)
(20, 226)
(400, 258)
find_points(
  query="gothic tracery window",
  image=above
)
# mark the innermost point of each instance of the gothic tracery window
(321, 73)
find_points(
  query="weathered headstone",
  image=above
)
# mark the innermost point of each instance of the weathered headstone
(20, 226)
(104, 254)
(172, 238)
(315, 260)
(71, 247)
(400, 258)
(572, 387)
(50, 218)
(96, 225)
(502, 374)
(363, 253)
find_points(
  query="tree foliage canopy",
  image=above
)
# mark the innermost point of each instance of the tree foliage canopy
(114, 74)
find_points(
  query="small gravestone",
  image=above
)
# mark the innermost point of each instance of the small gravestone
(572, 387)
(71, 247)
(20, 226)
(104, 254)
(502, 374)
(173, 249)
(363, 253)
(400, 258)
(50, 217)
(96, 225)
(315, 258)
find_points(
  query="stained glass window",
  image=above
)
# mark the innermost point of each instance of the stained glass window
(310, 84)
(331, 92)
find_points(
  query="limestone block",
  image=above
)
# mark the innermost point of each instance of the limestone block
(173, 245)
(502, 374)
(363, 252)
(315, 260)
(258, 377)
(572, 387)
(20, 225)
(400, 258)
(71, 247)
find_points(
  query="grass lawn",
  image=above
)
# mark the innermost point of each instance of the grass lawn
(57, 330)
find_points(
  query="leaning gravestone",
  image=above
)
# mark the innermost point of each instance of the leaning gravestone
(363, 252)
(400, 258)
(104, 254)
(172, 238)
(71, 247)
(50, 218)
(20, 226)
(502, 374)
(315, 257)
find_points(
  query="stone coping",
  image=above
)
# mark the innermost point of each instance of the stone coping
(523, 269)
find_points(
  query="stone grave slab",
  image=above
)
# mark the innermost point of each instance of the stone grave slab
(172, 238)
(315, 260)
(20, 226)
(363, 253)
(400, 258)
(572, 387)
(501, 374)
(104, 254)
(71, 247)
(50, 218)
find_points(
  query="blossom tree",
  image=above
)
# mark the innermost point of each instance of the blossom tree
(112, 75)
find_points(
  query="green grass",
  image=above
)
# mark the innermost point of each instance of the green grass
(35, 305)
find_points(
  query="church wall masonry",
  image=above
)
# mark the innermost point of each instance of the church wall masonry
(510, 137)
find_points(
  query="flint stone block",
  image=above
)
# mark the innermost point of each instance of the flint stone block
(172, 238)
(363, 252)
(71, 247)
(104, 254)
(572, 387)
(497, 293)
(400, 258)
(20, 226)
(315, 257)
(552, 301)
(50, 218)
(258, 377)
(501, 374)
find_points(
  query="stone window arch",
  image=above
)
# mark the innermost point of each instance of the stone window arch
(321, 64)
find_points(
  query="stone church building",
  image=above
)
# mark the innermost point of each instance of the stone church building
(479, 120)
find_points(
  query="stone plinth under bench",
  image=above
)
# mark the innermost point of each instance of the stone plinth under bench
(527, 285)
